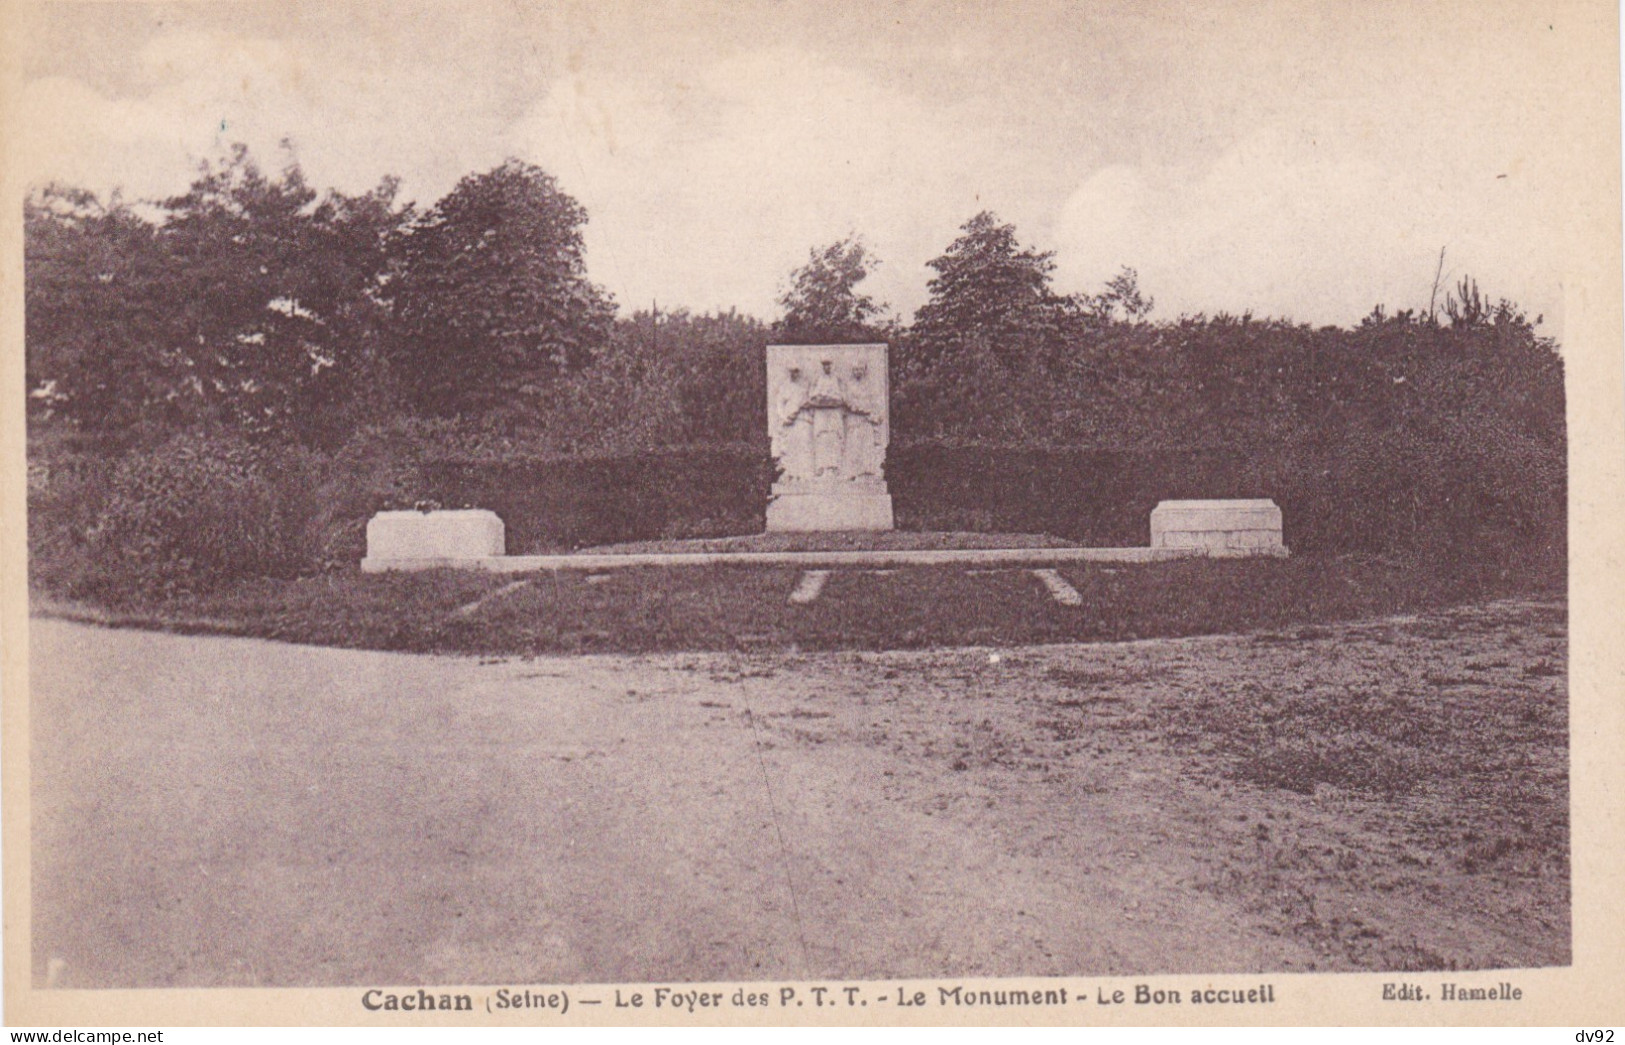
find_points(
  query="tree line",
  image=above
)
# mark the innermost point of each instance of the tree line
(255, 304)
(252, 302)
(231, 381)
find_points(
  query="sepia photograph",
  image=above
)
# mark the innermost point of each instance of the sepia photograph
(1066, 511)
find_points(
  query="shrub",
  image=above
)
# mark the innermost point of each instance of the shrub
(547, 500)
(67, 490)
(1466, 495)
(199, 510)
(550, 502)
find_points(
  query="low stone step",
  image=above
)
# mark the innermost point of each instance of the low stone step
(1059, 589)
(479, 604)
(809, 587)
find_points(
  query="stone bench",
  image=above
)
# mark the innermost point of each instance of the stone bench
(1243, 527)
(415, 540)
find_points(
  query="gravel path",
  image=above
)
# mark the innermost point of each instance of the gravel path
(211, 811)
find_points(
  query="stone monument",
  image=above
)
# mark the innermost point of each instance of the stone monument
(828, 422)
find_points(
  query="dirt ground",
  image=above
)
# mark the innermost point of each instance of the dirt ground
(1387, 794)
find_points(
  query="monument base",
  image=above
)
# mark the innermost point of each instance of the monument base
(467, 533)
(1241, 527)
(808, 510)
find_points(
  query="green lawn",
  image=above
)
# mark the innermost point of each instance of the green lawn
(745, 607)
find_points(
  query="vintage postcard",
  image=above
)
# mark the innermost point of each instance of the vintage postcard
(1079, 513)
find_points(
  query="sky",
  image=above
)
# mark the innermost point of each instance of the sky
(1305, 160)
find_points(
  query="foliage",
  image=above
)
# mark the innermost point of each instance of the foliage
(1122, 293)
(274, 288)
(718, 373)
(95, 332)
(67, 489)
(462, 356)
(198, 511)
(553, 502)
(379, 468)
(491, 300)
(248, 302)
(992, 325)
(823, 305)
(671, 379)
(990, 296)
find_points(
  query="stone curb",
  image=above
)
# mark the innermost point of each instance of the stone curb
(941, 557)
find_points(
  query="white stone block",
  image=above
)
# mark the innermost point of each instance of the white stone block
(818, 511)
(1241, 527)
(403, 537)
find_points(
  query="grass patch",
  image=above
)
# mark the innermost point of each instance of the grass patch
(730, 607)
(1303, 764)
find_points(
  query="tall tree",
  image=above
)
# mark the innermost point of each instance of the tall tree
(352, 262)
(991, 316)
(990, 295)
(823, 304)
(277, 290)
(95, 331)
(244, 301)
(492, 300)
(1122, 294)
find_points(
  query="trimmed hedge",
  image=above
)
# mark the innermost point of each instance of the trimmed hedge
(1095, 497)
(202, 508)
(1382, 494)
(1374, 494)
(552, 503)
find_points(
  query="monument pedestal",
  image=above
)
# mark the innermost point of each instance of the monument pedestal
(840, 505)
(1239, 527)
(450, 536)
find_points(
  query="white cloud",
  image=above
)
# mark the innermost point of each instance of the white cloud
(351, 119)
(1291, 226)
(709, 171)
(707, 191)
(707, 182)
